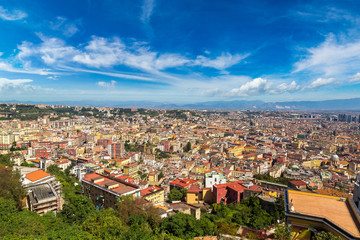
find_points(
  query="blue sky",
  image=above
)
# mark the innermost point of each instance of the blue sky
(179, 51)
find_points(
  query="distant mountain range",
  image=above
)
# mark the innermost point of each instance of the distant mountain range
(337, 104)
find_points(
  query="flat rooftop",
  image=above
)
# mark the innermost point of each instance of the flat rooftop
(41, 193)
(329, 207)
(122, 188)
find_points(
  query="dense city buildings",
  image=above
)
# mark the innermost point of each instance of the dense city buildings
(187, 160)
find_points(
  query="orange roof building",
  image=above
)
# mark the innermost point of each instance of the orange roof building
(37, 175)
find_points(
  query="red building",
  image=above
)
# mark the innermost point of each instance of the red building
(166, 146)
(42, 153)
(116, 150)
(232, 192)
(183, 183)
(103, 142)
(60, 145)
(44, 144)
(71, 151)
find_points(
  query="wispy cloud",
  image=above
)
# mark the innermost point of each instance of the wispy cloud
(50, 50)
(6, 83)
(110, 73)
(331, 58)
(110, 84)
(147, 10)
(324, 14)
(4, 66)
(102, 52)
(222, 62)
(355, 78)
(63, 25)
(19, 85)
(321, 82)
(19, 88)
(14, 15)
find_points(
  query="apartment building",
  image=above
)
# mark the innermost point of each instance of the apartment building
(154, 194)
(105, 191)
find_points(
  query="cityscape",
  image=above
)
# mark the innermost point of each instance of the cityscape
(171, 120)
(174, 174)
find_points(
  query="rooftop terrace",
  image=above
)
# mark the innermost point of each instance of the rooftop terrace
(335, 209)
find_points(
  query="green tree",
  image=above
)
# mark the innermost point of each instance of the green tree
(104, 224)
(13, 147)
(175, 195)
(26, 164)
(182, 225)
(187, 147)
(77, 209)
(7, 208)
(126, 208)
(11, 187)
(282, 232)
(5, 160)
(326, 236)
(279, 209)
(208, 227)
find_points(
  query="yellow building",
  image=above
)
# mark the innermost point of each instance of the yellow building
(249, 149)
(120, 163)
(154, 194)
(80, 150)
(312, 163)
(237, 150)
(130, 170)
(196, 195)
(153, 178)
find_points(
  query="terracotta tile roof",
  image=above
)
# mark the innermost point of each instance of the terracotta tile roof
(236, 187)
(185, 182)
(150, 190)
(34, 176)
(194, 189)
(298, 183)
(225, 185)
(255, 188)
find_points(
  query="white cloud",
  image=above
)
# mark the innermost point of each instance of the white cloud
(63, 25)
(355, 78)
(324, 14)
(253, 87)
(51, 50)
(112, 74)
(320, 82)
(110, 84)
(103, 52)
(257, 86)
(332, 58)
(9, 68)
(11, 15)
(147, 9)
(170, 60)
(222, 62)
(284, 88)
(6, 84)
